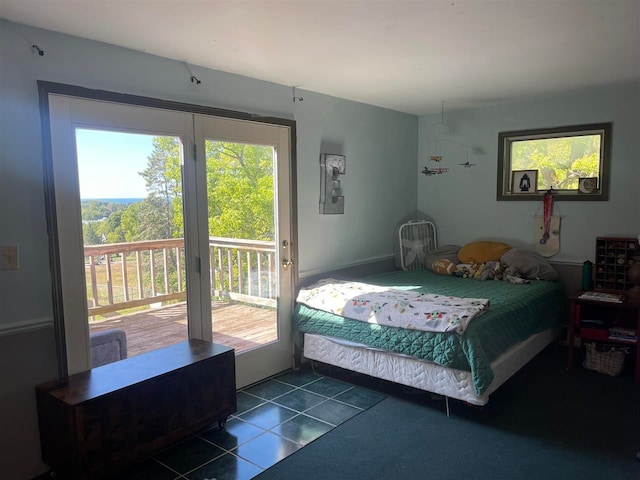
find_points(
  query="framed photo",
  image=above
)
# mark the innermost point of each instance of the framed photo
(524, 182)
(587, 185)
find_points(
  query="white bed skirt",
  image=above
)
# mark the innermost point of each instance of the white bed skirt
(421, 374)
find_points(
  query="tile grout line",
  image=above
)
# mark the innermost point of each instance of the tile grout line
(297, 413)
(220, 456)
(273, 401)
(166, 466)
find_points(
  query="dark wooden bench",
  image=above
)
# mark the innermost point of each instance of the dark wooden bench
(97, 422)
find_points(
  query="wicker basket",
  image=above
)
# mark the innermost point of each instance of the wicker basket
(604, 358)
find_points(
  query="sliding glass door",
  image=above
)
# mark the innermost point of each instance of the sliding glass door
(166, 220)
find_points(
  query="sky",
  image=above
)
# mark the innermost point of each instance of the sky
(109, 162)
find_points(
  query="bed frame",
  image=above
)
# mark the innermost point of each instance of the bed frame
(415, 372)
(424, 375)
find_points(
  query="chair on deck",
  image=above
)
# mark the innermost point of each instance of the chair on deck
(107, 346)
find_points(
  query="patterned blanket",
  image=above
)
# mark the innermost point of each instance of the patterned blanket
(397, 308)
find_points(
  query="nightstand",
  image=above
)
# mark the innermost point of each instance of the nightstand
(625, 314)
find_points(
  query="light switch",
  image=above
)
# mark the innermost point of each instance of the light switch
(9, 257)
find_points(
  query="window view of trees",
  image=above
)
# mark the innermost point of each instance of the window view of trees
(240, 191)
(559, 161)
(239, 187)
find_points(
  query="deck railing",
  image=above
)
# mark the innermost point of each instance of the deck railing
(134, 274)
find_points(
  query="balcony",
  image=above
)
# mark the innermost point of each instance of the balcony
(140, 287)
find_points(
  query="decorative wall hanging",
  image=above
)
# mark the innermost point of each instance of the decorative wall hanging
(331, 198)
(547, 228)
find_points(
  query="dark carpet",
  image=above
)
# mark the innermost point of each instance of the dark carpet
(544, 423)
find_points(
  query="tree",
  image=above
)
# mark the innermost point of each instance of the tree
(240, 190)
(111, 228)
(559, 161)
(90, 233)
(160, 215)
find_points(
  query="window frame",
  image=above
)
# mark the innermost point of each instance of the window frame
(506, 139)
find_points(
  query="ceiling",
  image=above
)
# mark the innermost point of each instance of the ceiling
(408, 56)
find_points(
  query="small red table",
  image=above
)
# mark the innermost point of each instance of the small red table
(627, 312)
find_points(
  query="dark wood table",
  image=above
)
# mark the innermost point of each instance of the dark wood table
(95, 423)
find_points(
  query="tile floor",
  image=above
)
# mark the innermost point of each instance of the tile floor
(275, 418)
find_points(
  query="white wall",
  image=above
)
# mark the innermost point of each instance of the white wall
(463, 202)
(380, 145)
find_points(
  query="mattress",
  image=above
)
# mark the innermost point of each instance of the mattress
(516, 313)
(421, 374)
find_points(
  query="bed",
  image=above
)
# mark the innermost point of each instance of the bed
(522, 320)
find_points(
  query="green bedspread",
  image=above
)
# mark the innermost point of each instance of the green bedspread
(516, 312)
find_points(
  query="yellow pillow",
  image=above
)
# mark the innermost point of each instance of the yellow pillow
(481, 252)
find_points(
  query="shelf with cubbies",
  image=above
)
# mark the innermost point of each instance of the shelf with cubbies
(614, 258)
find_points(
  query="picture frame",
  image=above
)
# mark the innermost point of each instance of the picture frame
(587, 185)
(524, 182)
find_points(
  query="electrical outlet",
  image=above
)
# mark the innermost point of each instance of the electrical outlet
(9, 257)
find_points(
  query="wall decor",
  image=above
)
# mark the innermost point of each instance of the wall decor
(331, 198)
(587, 185)
(524, 182)
(551, 244)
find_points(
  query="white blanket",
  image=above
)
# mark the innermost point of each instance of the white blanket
(397, 308)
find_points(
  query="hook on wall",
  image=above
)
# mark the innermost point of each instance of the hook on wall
(38, 50)
(195, 80)
(34, 47)
(296, 99)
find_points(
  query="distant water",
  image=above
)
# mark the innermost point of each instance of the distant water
(113, 200)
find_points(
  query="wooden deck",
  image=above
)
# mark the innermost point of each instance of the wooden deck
(235, 325)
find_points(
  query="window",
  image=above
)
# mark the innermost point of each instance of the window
(573, 161)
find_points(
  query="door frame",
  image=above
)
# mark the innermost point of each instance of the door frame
(48, 88)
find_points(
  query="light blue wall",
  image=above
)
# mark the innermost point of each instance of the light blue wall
(380, 146)
(463, 202)
(377, 187)
(385, 151)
